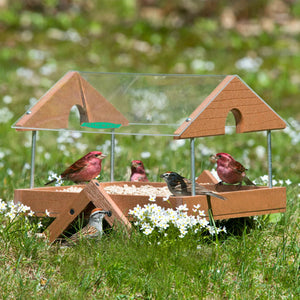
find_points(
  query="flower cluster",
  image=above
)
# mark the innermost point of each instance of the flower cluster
(12, 211)
(153, 217)
(58, 178)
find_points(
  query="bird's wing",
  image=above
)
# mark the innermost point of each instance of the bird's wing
(237, 167)
(76, 167)
(87, 232)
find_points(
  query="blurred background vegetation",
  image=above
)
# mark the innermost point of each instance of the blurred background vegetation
(41, 40)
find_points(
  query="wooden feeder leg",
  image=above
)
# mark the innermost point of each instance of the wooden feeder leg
(193, 166)
(269, 158)
(33, 146)
(112, 155)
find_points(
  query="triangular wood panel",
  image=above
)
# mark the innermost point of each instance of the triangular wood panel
(52, 110)
(232, 94)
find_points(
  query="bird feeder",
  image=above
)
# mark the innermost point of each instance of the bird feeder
(178, 106)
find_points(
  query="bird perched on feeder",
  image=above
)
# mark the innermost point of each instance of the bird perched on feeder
(179, 185)
(94, 228)
(84, 169)
(231, 171)
(138, 172)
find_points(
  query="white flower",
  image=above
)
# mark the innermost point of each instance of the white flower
(3, 205)
(31, 213)
(166, 198)
(39, 225)
(47, 213)
(11, 215)
(145, 154)
(288, 182)
(152, 198)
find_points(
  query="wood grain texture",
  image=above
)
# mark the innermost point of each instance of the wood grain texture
(95, 192)
(53, 109)
(231, 95)
(241, 201)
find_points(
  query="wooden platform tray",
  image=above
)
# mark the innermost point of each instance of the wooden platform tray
(242, 201)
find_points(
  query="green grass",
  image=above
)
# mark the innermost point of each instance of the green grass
(259, 260)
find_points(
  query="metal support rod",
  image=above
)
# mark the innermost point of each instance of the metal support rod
(193, 166)
(269, 158)
(32, 167)
(112, 155)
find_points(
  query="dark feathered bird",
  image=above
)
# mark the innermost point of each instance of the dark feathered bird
(179, 185)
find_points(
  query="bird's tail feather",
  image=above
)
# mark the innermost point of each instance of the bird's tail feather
(216, 195)
(49, 182)
(248, 181)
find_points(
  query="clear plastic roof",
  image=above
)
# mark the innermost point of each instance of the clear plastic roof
(152, 104)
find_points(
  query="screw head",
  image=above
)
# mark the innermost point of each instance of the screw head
(28, 112)
(188, 119)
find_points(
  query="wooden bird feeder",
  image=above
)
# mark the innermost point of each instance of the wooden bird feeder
(179, 106)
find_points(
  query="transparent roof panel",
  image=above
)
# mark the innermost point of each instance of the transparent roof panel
(152, 104)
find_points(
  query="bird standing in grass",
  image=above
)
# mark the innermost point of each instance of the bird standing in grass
(85, 169)
(179, 185)
(231, 171)
(94, 228)
(138, 172)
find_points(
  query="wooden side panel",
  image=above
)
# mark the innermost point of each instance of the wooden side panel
(41, 199)
(245, 203)
(96, 194)
(206, 177)
(68, 214)
(250, 112)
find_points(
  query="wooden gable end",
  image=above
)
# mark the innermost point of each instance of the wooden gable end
(232, 94)
(52, 110)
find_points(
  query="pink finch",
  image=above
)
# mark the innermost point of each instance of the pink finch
(138, 171)
(179, 185)
(84, 169)
(231, 171)
(94, 228)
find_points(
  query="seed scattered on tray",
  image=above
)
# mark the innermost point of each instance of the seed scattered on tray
(71, 189)
(147, 190)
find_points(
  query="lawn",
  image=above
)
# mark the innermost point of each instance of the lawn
(257, 258)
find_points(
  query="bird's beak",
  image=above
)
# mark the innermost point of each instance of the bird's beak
(162, 176)
(213, 159)
(108, 213)
(134, 164)
(102, 156)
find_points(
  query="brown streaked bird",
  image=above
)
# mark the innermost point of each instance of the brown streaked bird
(231, 171)
(94, 228)
(138, 172)
(85, 169)
(179, 185)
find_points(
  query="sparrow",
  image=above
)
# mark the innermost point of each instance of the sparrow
(138, 171)
(179, 185)
(84, 169)
(231, 171)
(94, 228)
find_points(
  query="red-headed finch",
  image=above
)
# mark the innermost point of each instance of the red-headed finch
(95, 226)
(179, 185)
(231, 171)
(138, 171)
(85, 169)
